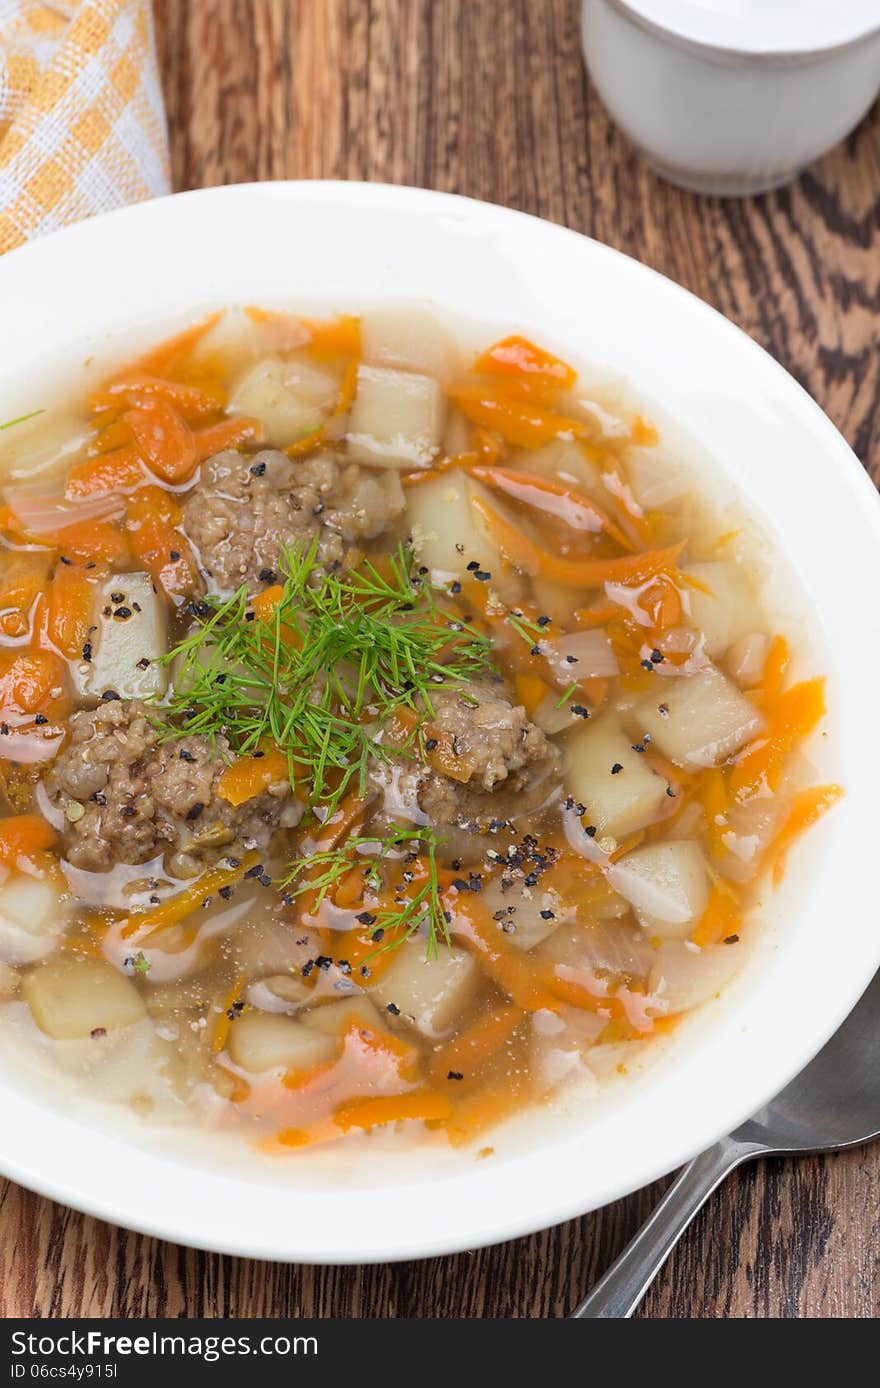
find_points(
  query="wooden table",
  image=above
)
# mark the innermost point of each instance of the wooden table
(489, 98)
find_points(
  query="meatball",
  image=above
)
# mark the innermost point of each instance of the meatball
(491, 738)
(126, 797)
(246, 509)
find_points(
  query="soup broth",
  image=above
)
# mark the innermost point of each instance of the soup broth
(390, 735)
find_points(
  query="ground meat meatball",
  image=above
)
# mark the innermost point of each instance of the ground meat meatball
(504, 761)
(124, 797)
(246, 509)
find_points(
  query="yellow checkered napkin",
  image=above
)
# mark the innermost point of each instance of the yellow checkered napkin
(82, 125)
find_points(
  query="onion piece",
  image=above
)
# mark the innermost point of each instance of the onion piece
(584, 655)
(43, 512)
(682, 977)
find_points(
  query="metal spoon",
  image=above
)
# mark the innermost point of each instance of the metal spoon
(833, 1103)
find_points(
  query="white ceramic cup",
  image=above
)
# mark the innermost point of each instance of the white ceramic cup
(733, 97)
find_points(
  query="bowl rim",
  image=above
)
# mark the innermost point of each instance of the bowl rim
(417, 1229)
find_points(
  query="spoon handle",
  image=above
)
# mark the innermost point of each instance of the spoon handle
(618, 1293)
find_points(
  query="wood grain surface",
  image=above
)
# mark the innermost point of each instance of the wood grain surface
(489, 98)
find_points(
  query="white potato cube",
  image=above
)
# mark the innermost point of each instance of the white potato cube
(69, 998)
(396, 419)
(238, 334)
(408, 339)
(289, 396)
(30, 919)
(697, 720)
(431, 993)
(617, 801)
(657, 479)
(666, 884)
(335, 1018)
(682, 978)
(728, 611)
(128, 640)
(261, 1041)
(746, 658)
(447, 530)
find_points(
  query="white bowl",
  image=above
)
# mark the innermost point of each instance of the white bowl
(124, 279)
(733, 96)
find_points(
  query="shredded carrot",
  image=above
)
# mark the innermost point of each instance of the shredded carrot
(142, 388)
(531, 690)
(517, 356)
(807, 807)
(525, 555)
(334, 337)
(70, 613)
(229, 433)
(713, 794)
(177, 908)
(552, 498)
(24, 834)
(152, 524)
(720, 920)
(790, 718)
(511, 970)
(520, 422)
(248, 777)
(221, 1029)
(418, 1104)
(265, 602)
(476, 1045)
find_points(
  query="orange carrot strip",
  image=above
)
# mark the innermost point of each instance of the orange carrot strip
(530, 690)
(221, 1029)
(334, 337)
(519, 357)
(23, 834)
(178, 907)
(140, 388)
(163, 440)
(265, 602)
(152, 523)
(720, 919)
(477, 1043)
(229, 433)
(807, 807)
(524, 554)
(71, 601)
(418, 1104)
(249, 776)
(552, 498)
(28, 684)
(119, 471)
(510, 970)
(520, 422)
(94, 539)
(712, 790)
(790, 718)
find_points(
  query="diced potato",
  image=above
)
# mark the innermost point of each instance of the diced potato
(531, 914)
(617, 802)
(430, 992)
(731, 611)
(749, 831)
(335, 1018)
(129, 640)
(447, 531)
(657, 480)
(666, 884)
(30, 919)
(10, 981)
(69, 998)
(409, 339)
(697, 720)
(613, 946)
(238, 334)
(271, 1041)
(683, 978)
(289, 396)
(396, 419)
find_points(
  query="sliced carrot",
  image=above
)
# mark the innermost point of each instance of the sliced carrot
(525, 555)
(177, 908)
(163, 440)
(221, 1029)
(31, 683)
(519, 357)
(71, 602)
(790, 718)
(520, 422)
(553, 499)
(403, 724)
(807, 807)
(141, 388)
(713, 794)
(92, 540)
(249, 776)
(418, 1104)
(22, 583)
(24, 834)
(265, 602)
(119, 471)
(152, 524)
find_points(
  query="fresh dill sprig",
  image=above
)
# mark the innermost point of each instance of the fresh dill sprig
(338, 675)
(530, 631)
(417, 906)
(22, 419)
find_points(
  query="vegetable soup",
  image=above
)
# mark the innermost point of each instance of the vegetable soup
(390, 735)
